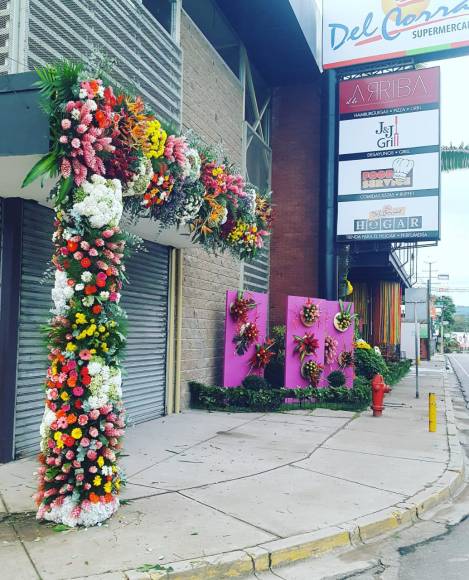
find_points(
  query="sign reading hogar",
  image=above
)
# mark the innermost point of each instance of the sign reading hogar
(389, 157)
(371, 30)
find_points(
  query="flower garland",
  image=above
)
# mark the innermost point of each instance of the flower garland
(248, 333)
(240, 307)
(110, 154)
(263, 355)
(330, 349)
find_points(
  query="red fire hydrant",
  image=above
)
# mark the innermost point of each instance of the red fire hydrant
(379, 389)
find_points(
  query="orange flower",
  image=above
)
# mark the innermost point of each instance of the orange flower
(60, 413)
(71, 381)
(108, 497)
(94, 498)
(94, 85)
(71, 419)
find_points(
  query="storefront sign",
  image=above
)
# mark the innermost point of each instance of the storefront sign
(389, 157)
(374, 30)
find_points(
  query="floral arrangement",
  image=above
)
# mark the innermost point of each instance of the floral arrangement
(310, 313)
(247, 334)
(312, 371)
(164, 177)
(110, 154)
(344, 318)
(306, 345)
(263, 355)
(360, 343)
(240, 307)
(330, 349)
(346, 359)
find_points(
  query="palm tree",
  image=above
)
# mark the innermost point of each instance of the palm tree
(453, 158)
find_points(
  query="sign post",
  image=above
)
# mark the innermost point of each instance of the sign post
(417, 298)
(389, 157)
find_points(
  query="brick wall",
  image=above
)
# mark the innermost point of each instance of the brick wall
(213, 108)
(296, 115)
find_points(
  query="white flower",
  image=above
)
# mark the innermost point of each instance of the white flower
(89, 515)
(87, 276)
(104, 295)
(88, 301)
(191, 168)
(141, 180)
(102, 204)
(106, 383)
(83, 93)
(79, 287)
(225, 216)
(75, 114)
(91, 104)
(100, 91)
(61, 293)
(44, 430)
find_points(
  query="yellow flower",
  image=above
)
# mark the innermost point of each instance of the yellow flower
(97, 481)
(117, 484)
(82, 335)
(57, 435)
(92, 350)
(70, 347)
(349, 288)
(91, 330)
(108, 487)
(102, 328)
(80, 318)
(114, 469)
(156, 139)
(362, 344)
(64, 396)
(104, 347)
(77, 433)
(100, 461)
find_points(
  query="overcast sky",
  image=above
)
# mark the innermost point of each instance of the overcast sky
(452, 253)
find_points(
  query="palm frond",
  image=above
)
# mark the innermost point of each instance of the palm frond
(453, 158)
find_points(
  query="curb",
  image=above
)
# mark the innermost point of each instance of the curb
(278, 553)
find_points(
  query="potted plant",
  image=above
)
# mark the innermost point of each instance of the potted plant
(311, 371)
(310, 313)
(344, 318)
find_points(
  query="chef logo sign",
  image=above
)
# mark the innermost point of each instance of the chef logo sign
(389, 157)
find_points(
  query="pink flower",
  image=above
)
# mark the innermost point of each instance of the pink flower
(82, 128)
(93, 252)
(80, 476)
(102, 265)
(50, 492)
(53, 407)
(50, 461)
(87, 486)
(94, 414)
(98, 444)
(85, 442)
(62, 423)
(78, 256)
(78, 391)
(93, 432)
(63, 139)
(99, 242)
(70, 106)
(91, 454)
(76, 143)
(108, 233)
(82, 420)
(85, 245)
(85, 354)
(66, 124)
(114, 297)
(52, 394)
(69, 455)
(65, 168)
(93, 469)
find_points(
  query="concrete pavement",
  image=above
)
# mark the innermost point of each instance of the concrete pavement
(213, 495)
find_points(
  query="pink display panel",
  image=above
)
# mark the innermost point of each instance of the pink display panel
(295, 326)
(344, 344)
(237, 367)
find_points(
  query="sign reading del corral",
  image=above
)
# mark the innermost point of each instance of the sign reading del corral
(371, 30)
(389, 157)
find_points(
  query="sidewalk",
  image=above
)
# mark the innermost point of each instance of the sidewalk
(215, 494)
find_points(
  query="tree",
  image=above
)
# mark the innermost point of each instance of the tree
(448, 310)
(453, 158)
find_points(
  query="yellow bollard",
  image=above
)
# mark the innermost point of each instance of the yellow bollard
(432, 412)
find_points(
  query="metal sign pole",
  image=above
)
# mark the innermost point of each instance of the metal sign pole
(417, 394)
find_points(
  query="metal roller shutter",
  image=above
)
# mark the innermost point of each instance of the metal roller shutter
(35, 303)
(145, 300)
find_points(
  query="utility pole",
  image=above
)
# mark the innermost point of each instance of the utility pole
(429, 316)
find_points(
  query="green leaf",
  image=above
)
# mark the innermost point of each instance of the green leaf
(61, 528)
(46, 164)
(154, 567)
(64, 188)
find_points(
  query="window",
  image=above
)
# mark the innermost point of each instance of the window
(162, 11)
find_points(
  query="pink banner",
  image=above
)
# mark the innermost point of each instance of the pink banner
(297, 326)
(237, 366)
(341, 341)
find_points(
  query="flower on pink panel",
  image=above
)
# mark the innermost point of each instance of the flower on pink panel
(53, 407)
(85, 442)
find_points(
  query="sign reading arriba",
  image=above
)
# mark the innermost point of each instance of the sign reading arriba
(389, 157)
(358, 31)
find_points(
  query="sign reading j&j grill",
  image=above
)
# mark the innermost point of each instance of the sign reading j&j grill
(359, 31)
(389, 157)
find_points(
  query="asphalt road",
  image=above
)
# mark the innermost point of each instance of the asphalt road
(445, 557)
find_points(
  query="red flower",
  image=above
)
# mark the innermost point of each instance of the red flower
(85, 263)
(78, 404)
(90, 289)
(72, 246)
(68, 440)
(86, 380)
(96, 309)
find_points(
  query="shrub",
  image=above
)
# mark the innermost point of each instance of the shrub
(369, 363)
(275, 370)
(336, 379)
(266, 400)
(237, 397)
(397, 370)
(255, 383)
